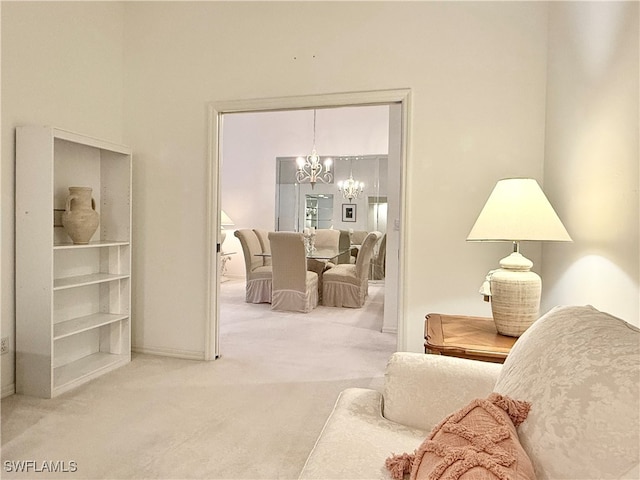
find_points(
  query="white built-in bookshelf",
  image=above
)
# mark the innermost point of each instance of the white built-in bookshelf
(73, 302)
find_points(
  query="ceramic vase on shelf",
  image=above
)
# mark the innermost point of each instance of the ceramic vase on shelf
(80, 218)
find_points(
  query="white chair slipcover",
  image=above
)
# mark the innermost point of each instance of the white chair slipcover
(358, 236)
(327, 238)
(344, 242)
(378, 260)
(294, 288)
(346, 285)
(357, 239)
(258, 289)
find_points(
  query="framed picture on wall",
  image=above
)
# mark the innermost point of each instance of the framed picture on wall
(348, 212)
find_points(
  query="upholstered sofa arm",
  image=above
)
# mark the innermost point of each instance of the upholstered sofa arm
(421, 390)
(356, 440)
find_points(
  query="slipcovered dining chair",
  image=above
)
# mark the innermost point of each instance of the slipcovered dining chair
(263, 238)
(258, 288)
(378, 260)
(344, 242)
(358, 236)
(347, 285)
(327, 238)
(294, 287)
(357, 239)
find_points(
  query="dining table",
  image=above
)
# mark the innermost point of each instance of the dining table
(323, 253)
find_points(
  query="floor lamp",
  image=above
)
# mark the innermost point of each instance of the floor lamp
(517, 210)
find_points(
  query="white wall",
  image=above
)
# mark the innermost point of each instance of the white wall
(62, 65)
(591, 167)
(252, 141)
(477, 75)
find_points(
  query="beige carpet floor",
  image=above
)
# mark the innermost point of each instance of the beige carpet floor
(253, 414)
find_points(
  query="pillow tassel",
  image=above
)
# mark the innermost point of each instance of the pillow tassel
(516, 409)
(398, 465)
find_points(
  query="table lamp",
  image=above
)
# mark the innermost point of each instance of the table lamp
(517, 210)
(225, 221)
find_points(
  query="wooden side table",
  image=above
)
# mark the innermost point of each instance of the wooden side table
(474, 338)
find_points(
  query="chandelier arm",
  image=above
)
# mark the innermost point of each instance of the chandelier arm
(326, 177)
(302, 174)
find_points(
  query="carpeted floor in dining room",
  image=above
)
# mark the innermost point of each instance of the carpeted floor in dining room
(254, 413)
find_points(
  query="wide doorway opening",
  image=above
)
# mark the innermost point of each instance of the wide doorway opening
(258, 193)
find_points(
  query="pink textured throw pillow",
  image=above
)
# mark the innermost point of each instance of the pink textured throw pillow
(477, 442)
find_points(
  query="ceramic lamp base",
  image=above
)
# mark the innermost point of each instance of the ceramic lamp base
(515, 300)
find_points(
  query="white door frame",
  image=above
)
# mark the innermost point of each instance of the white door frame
(215, 111)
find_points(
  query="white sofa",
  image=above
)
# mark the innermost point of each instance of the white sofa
(579, 368)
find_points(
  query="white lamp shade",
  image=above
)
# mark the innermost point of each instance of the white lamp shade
(516, 210)
(225, 221)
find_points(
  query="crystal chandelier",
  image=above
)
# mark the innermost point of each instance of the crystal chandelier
(350, 188)
(310, 169)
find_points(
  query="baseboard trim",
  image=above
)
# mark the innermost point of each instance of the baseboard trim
(169, 352)
(8, 390)
(390, 330)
